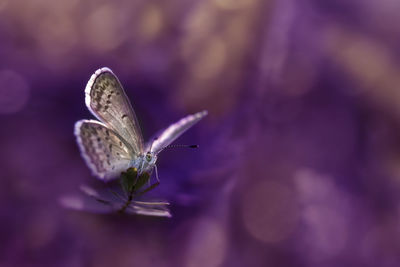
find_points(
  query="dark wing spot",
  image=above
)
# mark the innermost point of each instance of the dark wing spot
(98, 139)
(124, 116)
(120, 143)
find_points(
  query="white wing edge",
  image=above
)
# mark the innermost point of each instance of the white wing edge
(175, 130)
(89, 85)
(77, 132)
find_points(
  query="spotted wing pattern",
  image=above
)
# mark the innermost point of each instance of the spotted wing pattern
(105, 152)
(107, 100)
(175, 130)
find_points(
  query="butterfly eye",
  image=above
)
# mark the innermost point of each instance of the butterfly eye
(148, 157)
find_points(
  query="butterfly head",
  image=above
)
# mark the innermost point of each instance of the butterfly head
(150, 157)
(149, 160)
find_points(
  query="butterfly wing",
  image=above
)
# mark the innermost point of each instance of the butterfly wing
(175, 130)
(105, 152)
(107, 100)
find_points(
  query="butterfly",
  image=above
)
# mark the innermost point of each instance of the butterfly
(112, 146)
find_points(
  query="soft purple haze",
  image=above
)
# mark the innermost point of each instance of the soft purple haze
(299, 158)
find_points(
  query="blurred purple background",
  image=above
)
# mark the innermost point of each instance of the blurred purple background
(299, 158)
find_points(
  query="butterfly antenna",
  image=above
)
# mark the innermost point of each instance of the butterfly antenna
(189, 146)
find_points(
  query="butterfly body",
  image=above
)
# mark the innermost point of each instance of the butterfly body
(144, 163)
(148, 161)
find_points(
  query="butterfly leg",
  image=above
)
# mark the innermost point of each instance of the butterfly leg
(151, 187)
(155, 168)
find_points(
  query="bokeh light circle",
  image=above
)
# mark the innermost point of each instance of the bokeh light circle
(101, 29)
(269, 211)
(208, 245)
